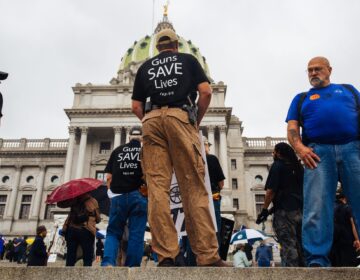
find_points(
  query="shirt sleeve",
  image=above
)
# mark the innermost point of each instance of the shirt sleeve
(293, 110)
(138, 90)
(219, 172)
(199, 75)
(273, 179)
(108, 168)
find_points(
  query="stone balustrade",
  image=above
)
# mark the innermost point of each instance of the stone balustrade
(266, 143)
(33, 144)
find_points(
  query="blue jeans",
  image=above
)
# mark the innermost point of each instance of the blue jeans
(217, 205)
(131, 207)
(338, 163)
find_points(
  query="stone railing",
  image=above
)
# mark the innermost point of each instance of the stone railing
(262, 143)
(24, 144)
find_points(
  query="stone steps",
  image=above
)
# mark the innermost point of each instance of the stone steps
(196, 273)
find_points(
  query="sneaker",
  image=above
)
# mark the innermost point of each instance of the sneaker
(167, 262)
(219, 263)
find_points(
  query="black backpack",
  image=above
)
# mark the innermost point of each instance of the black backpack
(302, 99)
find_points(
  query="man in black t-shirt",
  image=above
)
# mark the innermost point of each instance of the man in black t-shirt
(217, 178)
(284, 189)
(171, 142)
(124, 179)
(346, 239)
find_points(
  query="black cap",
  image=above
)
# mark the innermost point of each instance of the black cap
(3, 75)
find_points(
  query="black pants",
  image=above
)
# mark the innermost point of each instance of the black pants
(79, 237)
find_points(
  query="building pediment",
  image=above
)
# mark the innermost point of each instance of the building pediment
(100, 160)
(5, 188)
(258, 187)
(27, 188)
(51, 187)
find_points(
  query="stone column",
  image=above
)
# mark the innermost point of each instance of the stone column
(82, 150)
(69, 154)
(127, 129)
(39, 192)
(14, 193)
(117, 138)
(223, 154)
(211, 138)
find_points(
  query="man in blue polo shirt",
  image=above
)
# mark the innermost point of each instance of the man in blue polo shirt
(330, 150)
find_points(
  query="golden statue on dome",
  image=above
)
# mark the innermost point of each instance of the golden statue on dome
(166, 6)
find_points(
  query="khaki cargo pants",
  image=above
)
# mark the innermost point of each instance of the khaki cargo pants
(171, 142)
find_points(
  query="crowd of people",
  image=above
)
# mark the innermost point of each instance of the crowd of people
(171, 95)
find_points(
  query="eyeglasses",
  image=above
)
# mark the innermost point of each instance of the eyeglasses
(314, 69)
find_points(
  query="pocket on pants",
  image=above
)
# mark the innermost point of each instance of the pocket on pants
(200, 163)
(179, 114)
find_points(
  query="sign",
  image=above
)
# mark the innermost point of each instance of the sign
(177, 210)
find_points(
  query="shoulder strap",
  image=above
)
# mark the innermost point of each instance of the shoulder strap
(357, 101)
(299, 106)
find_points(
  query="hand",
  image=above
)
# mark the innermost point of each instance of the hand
(308, 157)
(357, 245)
(262, 216)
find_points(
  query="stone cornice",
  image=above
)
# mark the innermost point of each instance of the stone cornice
(32, 152)
(88, 112)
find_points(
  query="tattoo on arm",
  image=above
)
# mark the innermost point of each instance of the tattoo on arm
(294, 137)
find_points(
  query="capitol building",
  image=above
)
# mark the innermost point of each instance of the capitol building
(99, 121)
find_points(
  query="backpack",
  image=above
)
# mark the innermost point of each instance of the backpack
(302, 99)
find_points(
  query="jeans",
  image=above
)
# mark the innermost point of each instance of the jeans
(131, 207)
(79, 237)
(338, 163)
(217, 204)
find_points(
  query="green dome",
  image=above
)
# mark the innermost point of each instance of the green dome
(145, 48)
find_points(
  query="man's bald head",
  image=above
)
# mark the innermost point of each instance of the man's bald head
(319, 60)
(319, 71)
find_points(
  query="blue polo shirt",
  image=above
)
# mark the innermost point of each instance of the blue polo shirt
(329, 115)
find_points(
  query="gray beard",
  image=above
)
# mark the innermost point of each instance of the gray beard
(315, 82)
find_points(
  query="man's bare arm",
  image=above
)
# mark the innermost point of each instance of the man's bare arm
(269, 196)
(108, 180)
(205, 92)
(221, 184)
(137, 109)
(305, 153)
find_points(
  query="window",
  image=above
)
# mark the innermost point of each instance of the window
(234, 184)
(236, 203)
(258, 179)
(259, 202)
(233, 164)
(30, 179)
(48, 214)
(25, 207)
(100, 175)
(54, 179)
(2, 205)
(105, 147)
(5, 179)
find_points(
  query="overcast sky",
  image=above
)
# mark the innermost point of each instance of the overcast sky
(259, 49)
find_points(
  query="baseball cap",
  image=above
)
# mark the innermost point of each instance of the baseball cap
(135, 130)
(166, 36)
(206, 141)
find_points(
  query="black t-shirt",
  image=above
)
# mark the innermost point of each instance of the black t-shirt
(168, 79)
(286, 181)
(125, 167)
(216, 173)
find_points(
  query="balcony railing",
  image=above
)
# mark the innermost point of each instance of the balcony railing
(24, 144)
(262, 143)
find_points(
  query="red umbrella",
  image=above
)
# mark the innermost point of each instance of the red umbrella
(72, 189)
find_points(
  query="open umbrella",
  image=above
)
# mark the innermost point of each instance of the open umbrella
(247, 236)
(72, 189)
